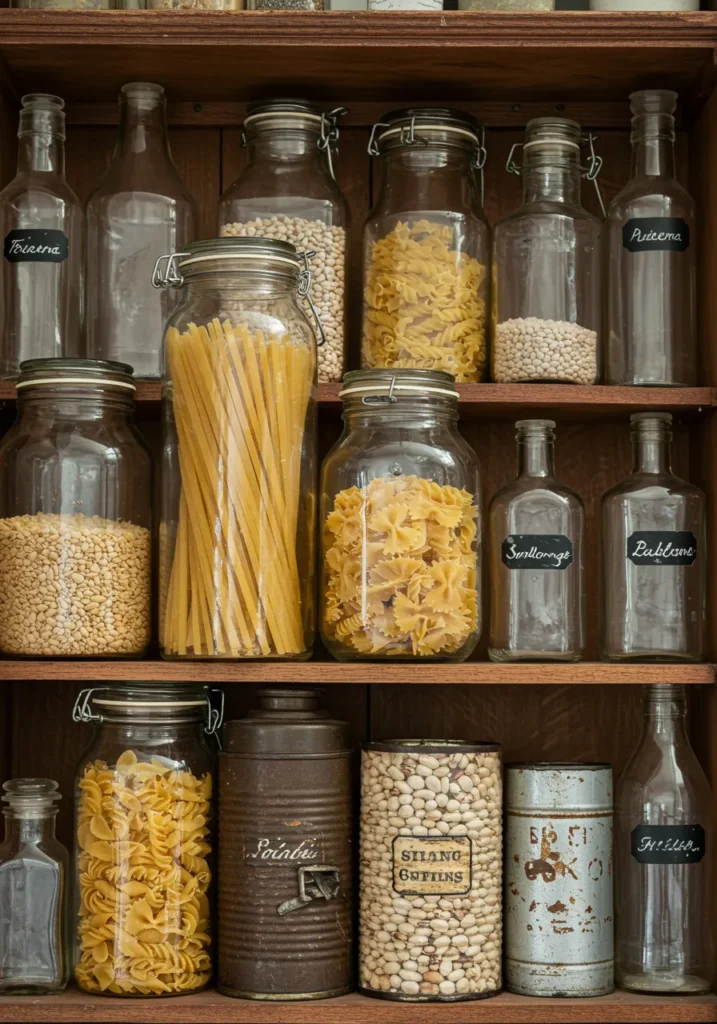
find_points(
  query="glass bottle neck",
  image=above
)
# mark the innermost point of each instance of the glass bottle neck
(41, 152)
(24, 830)
(651, 455)
(653, 147)
(665, 712)
(143, 128)
(559, 183)
(535, 457)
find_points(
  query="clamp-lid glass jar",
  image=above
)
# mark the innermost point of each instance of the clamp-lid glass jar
(238, 471)
(427, 246)
(400, 512)
(143, 808)
(75, 509)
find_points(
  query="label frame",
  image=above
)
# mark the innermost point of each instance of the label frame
(531, 539)
(654, 224)
(658, 537)
(462, 841)
(668, 857)
(42, 236)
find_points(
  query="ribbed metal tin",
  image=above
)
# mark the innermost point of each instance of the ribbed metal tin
(559, 879)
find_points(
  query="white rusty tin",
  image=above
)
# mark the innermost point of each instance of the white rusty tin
(558, 879)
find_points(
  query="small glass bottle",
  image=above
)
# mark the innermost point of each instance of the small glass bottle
(663, 857)
(139, 211)
(536, 558)
(653, 555)
(651, 330)
(34, 946)
(41, 224)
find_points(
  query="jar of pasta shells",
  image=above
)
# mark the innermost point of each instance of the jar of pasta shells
(143, 844)
(427, 247)
(401, 522)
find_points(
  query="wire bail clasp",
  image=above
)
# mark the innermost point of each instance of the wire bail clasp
(329, 135)
(510, 165)
(166, 274)
(480, 160)
(594, 169)
(215, 716)
(388, 399)
(304, 291)
(82, 711)
(372, 141)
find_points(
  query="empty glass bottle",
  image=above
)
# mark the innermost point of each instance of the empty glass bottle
(651, 330)
(663, 857)
(536, 558)
(653, 555)
(41, 224)
(139, 211)
(33, 891)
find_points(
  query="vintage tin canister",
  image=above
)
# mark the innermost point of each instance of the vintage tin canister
(285, 860)
(559, 879)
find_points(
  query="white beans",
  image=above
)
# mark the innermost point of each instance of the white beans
(529, 348)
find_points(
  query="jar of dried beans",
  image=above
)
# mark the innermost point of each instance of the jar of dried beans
(400, 511)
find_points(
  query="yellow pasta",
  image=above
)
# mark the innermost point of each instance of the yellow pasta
(423, 303)
(143, 843)
(400, 568)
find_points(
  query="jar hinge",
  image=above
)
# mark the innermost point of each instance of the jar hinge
(590, 173)
(304, 291)
(215, 716)
(329, 135)
(169, 277)
(82, 711)
(481, 157)
(388, 399)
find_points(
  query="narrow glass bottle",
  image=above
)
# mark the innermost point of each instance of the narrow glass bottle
(41, 224)
(139, 211)
(536, 558)
(663, 857)
(651, 334)
(653, 555)
(33, 886)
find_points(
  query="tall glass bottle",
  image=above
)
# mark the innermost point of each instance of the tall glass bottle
(41, 224)
(140, 210)
(653, 555)
(663, 857)
(651, 334)
(536, 558)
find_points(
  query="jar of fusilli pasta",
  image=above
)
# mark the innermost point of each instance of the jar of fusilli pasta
(143, 844)
(427, 246)
(400, 514)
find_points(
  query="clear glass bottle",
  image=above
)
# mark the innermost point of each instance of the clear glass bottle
(400, 511)
(34, 946)
(41, 224)
(236, 543)
(547, 263)
(652, 303)
(288, 191)
(664, 857)
(426, 246)
(654, 553)
(140, 210)
(536, 529)
(144, 800)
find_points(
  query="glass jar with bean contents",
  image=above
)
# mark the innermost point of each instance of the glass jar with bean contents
(75, 500)
(426, 247)
(546, 265)
(288, 191)
(400, 512)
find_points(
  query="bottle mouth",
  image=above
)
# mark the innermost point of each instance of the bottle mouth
(42, 114)
(144, 95)
(653, 101)
(30, 798)
(535, 428)
(651, 424)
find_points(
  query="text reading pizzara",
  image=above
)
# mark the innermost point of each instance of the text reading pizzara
(430, 866)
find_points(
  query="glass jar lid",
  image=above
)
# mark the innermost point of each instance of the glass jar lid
(83, 372)
(438, 746)
(386, 385)
(146, 702)
(234, 253)
(30, 798)
(425, 126)
(284, 113)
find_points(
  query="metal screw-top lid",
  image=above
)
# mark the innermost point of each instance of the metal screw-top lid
(287, 722)
(76, 372)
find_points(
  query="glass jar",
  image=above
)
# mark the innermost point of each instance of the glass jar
(143, 840)
(652, 301)
(547, 264)
(75, 511)
(426, 246)
(288, 191)
(400, 509)
(654, 553)
(34, 869)
(238, 476)
(140, 210)
(664, 857)
(536, 525)
(42, 225)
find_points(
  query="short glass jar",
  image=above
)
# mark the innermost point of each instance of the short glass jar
(75, 515)
(237, 548)
(400, 515)
(143, 830)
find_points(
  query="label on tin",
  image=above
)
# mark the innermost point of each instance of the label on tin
(537, 551)
(36, 245)
(662, 547)
(654, 234)
(279, 850)
(432, 865)
(668, 844)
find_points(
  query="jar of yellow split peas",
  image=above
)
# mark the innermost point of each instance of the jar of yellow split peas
(237, 548)
(143, 848)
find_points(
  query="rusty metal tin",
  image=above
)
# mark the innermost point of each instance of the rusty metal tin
(285, 890)
(559, 879)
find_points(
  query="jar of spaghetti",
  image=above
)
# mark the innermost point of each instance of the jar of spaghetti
(236, 551)
(400, 515)
(427, 247)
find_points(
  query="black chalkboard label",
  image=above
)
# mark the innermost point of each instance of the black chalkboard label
(653, 234)
(35, 245)
(662, 547)
(537, 551)
(668, 844)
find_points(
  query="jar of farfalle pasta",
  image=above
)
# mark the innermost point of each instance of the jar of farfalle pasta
(144, 840)
(400, 514)
(427, 246)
